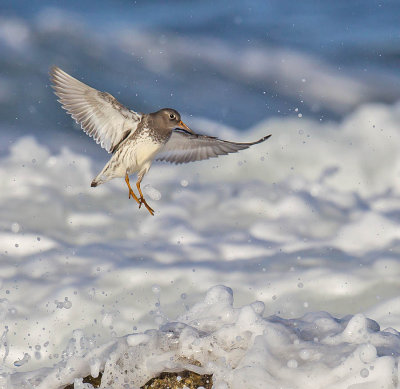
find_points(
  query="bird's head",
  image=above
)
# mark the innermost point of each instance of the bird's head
(170, 119)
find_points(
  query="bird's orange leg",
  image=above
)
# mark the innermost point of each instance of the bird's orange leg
(142, 200)
(131, 191)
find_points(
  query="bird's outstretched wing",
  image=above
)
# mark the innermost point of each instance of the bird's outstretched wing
(184, 147)
(100, 115)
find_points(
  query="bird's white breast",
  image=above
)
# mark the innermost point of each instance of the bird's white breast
(141, 152)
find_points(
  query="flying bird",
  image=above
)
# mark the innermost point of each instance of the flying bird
(134, 139)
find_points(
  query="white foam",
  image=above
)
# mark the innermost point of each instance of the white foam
(294, 229)
(240, 348)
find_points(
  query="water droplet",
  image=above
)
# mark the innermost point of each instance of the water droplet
(22, 361)
(15, 227)
(364, 373)
(67, 303)
(153, 193)
(305, 354)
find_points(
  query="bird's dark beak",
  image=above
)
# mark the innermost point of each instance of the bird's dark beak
(183, 126)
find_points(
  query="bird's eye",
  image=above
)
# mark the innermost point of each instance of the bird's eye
(172, 116)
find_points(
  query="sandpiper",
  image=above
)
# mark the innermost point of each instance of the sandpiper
(134, 139)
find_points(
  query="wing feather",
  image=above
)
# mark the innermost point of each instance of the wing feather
(100, 115)
(183, 147)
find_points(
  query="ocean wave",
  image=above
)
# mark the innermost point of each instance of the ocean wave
(303, 223)
(227, 81)
(318, 206)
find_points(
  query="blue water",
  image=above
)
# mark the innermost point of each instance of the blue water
(226, 60)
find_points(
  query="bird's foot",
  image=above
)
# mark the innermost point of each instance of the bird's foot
(143, 201)
(134, 196)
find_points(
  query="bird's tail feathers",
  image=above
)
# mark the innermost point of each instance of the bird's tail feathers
(100, 179)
